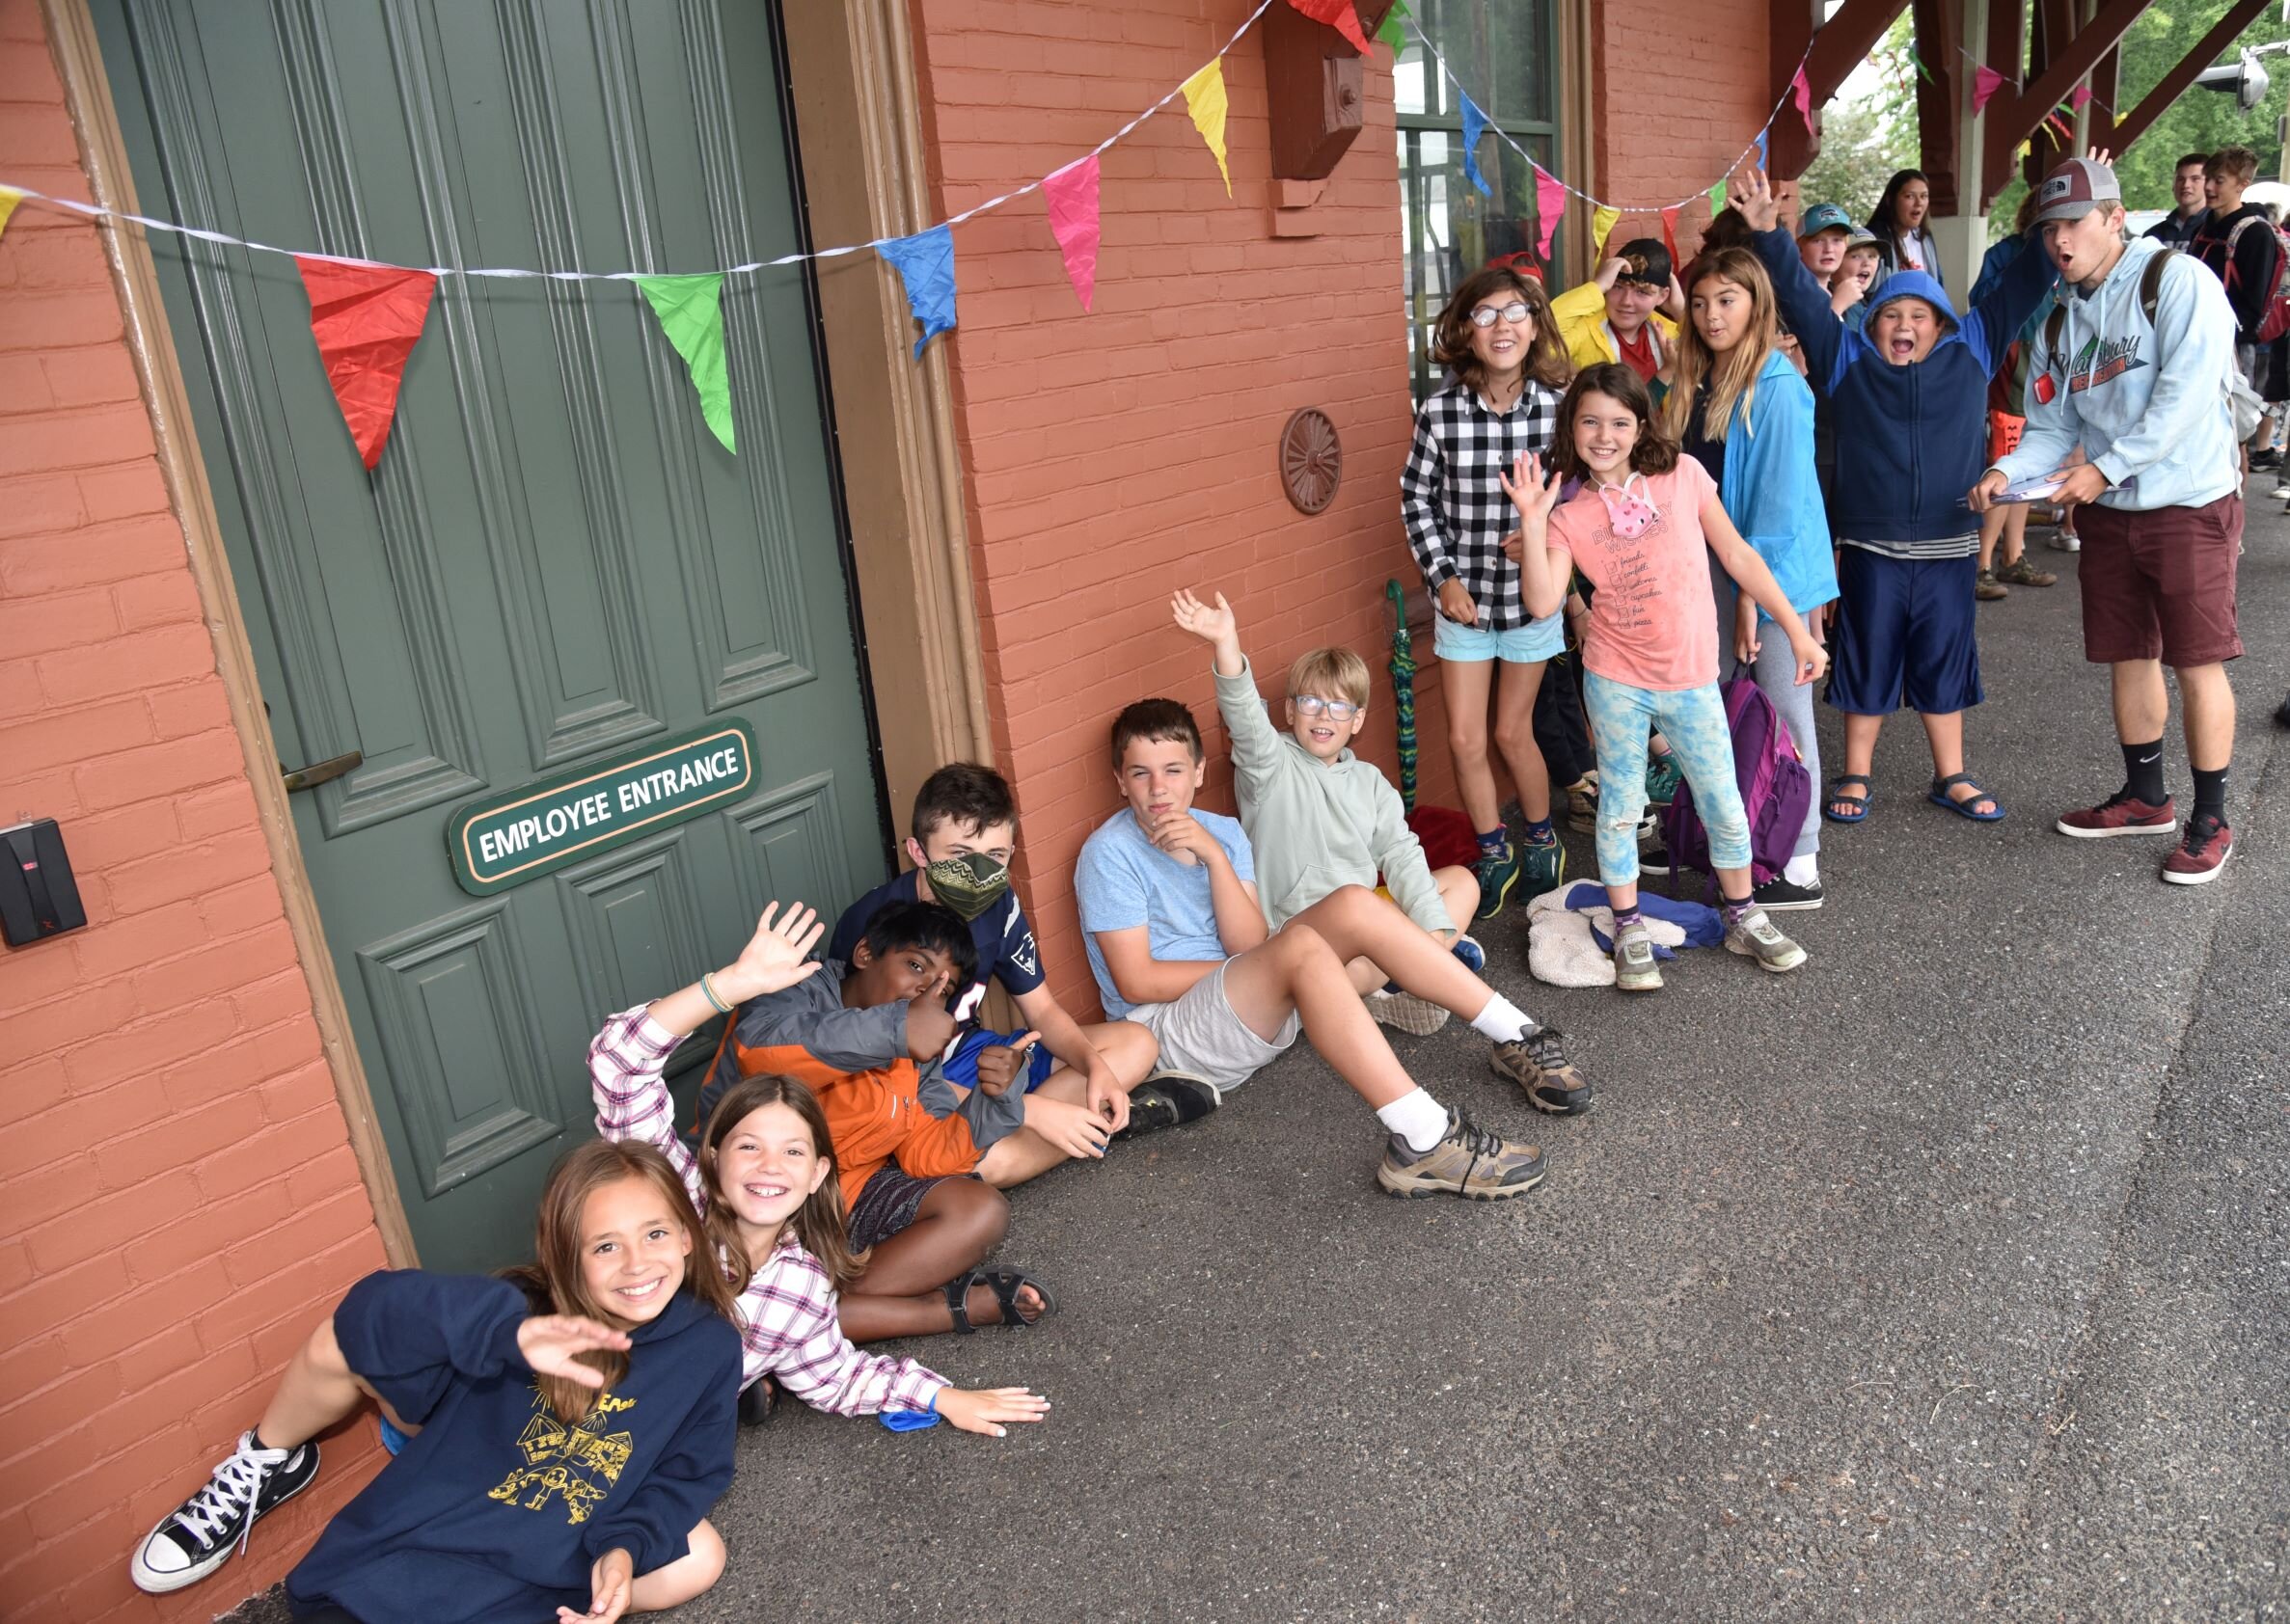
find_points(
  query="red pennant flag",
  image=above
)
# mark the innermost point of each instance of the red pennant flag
(1338, 16)
(1551, 205)
(1669, 235)
(1071, 197)
(1985, 83)
(1801, 90)
(366, 319)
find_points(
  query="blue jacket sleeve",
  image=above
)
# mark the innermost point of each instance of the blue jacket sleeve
(1805, 308)
(1778, 510)
(1997, 319)
(2000, 257)
(654, 1525)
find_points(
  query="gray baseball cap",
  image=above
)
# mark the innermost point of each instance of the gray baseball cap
(2075, 189)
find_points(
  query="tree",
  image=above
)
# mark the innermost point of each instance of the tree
(1865, 137)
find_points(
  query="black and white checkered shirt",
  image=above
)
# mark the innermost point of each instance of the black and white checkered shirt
(1454, 508)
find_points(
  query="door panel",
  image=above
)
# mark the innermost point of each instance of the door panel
(554, 558)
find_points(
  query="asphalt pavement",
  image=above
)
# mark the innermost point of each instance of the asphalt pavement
(1948, 1278)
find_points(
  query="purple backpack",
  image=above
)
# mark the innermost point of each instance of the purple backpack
(1776, 790)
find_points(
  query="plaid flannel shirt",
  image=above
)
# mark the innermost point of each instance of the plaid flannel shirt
(788, 1315)
(1453, 506)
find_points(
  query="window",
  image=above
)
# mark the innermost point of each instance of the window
(1507, 53)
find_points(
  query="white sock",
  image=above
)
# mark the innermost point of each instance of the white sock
(1502, 1020)
(1803, 871)
(1417, 1118)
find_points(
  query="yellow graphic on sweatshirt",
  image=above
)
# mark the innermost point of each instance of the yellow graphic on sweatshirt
(581, 1463)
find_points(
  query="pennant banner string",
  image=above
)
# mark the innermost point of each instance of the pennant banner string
(222, 239)
(1754, 145)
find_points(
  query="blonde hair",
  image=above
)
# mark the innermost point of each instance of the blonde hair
(1335, 670)
(1733, 377)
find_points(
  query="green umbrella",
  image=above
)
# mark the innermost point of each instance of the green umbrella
(1402, 670)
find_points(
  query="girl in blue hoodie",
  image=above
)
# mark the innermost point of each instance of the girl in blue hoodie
(1909, 392)
(1739, 408)
(570, 1424)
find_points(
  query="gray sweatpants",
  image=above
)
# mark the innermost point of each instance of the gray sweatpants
(1775, 672)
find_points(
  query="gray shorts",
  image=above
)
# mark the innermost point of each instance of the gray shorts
(1202, 1037)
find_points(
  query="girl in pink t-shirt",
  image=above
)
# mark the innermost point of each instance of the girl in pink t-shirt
(1641, 529)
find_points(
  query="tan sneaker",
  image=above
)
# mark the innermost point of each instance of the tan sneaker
(1404, 1012)
(1635, 968)
(1755, 936)
(1537, 1063)
(1467, 1161)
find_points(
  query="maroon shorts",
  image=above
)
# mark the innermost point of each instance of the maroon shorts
(2160, 585)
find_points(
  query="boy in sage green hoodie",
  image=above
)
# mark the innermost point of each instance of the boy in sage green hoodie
(1320, 820)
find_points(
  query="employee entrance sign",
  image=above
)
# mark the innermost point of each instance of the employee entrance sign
(504, 840)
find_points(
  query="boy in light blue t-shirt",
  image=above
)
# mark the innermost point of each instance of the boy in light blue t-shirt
(1179, 943)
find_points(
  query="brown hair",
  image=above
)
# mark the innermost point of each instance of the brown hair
(971, 797)
(1339, 670)
(818, 1223)
(1450, 335)
(1160, 720)
(2238, 162)
(1655, 452)
(1733, 377)
(553, 1284)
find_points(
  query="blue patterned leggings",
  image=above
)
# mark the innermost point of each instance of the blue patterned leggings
(1693, 721)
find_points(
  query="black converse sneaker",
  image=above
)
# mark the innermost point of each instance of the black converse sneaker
(205, 1532)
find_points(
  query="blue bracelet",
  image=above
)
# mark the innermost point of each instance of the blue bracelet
(707, 990)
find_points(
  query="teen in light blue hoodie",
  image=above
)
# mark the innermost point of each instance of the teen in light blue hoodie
(1740, 408)
(1910, 396)
(2137, 367)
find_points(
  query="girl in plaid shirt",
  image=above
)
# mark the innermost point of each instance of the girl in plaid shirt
(1508, 367)
(763, 1184)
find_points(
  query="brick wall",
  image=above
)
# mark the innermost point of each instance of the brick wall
(1114, 456)
(1682, 88)
(176, 1188)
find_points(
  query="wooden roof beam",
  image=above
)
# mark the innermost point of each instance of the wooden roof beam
(1836, 50)
(2011, 118)
(2168, 89)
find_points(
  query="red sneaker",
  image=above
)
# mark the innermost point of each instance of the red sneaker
(2119, 814)
(2209, 843)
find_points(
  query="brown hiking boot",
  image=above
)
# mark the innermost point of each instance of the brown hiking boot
(2021, 572)
(1467, 1161)
(1537, 1063)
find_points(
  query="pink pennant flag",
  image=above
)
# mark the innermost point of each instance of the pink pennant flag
(1071, 194)
(1337, 15)
(2078, 97)
(1550, 206)
(1985, 83)
(1801, 90)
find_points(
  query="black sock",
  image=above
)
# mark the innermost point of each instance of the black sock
(2142, 773)
(1626, 916)
(2210, 792)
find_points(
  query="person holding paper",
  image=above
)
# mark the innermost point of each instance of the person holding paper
(2135, 366)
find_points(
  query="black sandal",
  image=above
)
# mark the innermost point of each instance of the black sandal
(1837, 797)
(1005, 1284)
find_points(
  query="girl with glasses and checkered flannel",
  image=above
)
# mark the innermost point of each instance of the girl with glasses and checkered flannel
(1506, 368)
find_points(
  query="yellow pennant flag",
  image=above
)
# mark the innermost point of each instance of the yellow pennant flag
(1205, 99)
(1602, 224)
(8, 199)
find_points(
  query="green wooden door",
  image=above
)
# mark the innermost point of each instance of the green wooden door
(555, 561)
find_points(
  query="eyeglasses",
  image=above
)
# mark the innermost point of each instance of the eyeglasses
(1337, 710)
(1514, 313)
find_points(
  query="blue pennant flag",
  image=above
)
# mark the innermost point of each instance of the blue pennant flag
(1474, 126)
(1765, 164)
(925, 264)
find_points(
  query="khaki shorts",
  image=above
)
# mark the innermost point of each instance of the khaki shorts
(1201, 1036)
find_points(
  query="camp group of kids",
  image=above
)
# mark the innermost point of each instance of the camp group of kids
(561, 1432)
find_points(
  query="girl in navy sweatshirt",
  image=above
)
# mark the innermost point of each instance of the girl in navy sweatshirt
(570, 1425)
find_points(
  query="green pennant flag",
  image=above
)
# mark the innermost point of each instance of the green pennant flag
(690, 314)
(1717, 200)
(1922, 73)
(1394, 32)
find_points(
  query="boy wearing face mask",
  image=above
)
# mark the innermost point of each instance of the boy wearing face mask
(1082, 1084)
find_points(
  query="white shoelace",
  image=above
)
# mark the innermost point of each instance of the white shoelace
(235, 1483)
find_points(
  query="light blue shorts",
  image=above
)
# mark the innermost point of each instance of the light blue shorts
(1522, 645)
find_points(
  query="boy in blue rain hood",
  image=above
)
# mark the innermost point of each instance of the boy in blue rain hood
(1908, 393)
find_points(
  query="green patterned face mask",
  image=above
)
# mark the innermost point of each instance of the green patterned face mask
(970, 885)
